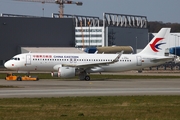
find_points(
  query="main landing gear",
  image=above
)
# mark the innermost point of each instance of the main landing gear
(83, 76)
(87, 77)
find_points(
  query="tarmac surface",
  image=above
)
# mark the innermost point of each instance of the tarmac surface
(62, 88)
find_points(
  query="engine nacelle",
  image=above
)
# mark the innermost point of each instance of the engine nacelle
(64, 72)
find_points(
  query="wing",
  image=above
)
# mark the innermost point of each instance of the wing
(91, 65)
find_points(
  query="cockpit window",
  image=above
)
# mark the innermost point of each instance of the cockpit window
(15, 58)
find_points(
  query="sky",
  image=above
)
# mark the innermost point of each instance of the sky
(155, 10)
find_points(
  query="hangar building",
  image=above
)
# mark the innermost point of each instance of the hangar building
(113, 29)
(17, 32)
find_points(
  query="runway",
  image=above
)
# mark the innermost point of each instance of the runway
(60, 88)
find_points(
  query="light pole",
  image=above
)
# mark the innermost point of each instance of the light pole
(175, 44)
(178, 46)
(136, 43)
(43, 8)
(178, 40)
(175, 50)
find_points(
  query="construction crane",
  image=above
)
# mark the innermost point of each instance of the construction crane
(82, 33)
(60, 2)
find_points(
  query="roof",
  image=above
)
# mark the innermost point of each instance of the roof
(51, 50)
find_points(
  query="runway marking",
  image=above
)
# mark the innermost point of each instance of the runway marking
(90, 92)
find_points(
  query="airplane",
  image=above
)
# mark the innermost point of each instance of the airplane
(67, 65)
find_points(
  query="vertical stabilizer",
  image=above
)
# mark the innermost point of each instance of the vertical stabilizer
(158, 44)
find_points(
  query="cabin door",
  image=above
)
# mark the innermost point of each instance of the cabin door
(28, 59)
(139, 61)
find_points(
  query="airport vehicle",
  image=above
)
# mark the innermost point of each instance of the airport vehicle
(11, 76)
(69, 65)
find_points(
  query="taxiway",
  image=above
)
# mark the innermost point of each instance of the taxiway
(60, 88)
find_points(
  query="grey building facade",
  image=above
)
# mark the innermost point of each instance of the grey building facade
(135, 37)
(17, 32)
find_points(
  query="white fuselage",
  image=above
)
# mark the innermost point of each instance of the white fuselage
(47, 61)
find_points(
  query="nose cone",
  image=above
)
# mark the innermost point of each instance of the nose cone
(8, 65)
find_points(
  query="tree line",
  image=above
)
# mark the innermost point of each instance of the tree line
(155, 26)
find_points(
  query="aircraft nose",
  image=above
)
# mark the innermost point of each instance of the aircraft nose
(8, 65)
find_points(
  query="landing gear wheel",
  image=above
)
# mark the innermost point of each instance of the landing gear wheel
(19, 79)
(87, 78)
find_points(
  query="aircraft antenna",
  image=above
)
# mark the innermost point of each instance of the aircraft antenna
(60, 2)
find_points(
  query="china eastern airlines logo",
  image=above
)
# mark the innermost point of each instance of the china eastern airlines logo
(155, 46)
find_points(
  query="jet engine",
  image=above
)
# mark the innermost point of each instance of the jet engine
(64, 72)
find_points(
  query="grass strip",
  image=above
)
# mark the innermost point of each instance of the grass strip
(88, 108)
(99, 76)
